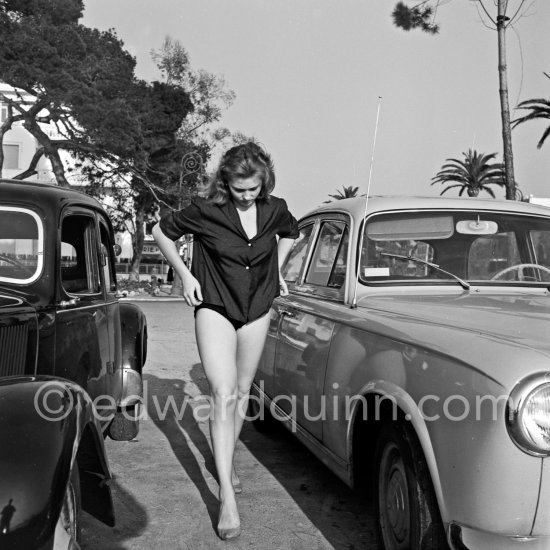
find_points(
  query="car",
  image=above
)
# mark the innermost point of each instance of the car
(412, 356)
(71, 360)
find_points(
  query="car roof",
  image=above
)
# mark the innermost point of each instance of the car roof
(43, 194)
(383, 203)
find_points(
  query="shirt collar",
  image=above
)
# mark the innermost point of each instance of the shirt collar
(231, 211)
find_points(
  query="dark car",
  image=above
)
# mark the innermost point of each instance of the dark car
(71, 358)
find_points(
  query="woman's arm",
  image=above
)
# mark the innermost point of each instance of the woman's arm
(283, 248)
(191, 287)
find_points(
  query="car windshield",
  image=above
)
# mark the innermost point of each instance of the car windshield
(486, 248)
(21, 245)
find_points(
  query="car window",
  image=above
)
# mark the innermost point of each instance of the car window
(107, 261)
(339, 268)
(380, 260)
(541, 245)
(327, 266)
(21, 245)
(79, 261)
(296, 257)
(489, 255)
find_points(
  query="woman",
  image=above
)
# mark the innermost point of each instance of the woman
(235, 276)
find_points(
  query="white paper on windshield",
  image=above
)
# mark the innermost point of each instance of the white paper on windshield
(376, 272)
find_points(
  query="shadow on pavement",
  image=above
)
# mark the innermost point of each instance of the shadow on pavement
(177, 423)
(342, 515)
(131, 521)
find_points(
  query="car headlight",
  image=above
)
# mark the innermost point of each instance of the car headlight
(528, 414)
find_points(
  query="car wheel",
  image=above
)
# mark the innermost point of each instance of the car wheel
(125, 424)
(406, 507)
(260, 415)
(69, 517)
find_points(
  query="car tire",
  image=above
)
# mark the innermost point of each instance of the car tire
(69, 516)
(407, 514)
(260, 415)
(125, 424)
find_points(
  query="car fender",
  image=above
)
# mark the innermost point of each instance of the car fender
(133, 327)
(47, 427)
(402, 401)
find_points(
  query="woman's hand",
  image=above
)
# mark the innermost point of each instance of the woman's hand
(283, 288)
(191, 290)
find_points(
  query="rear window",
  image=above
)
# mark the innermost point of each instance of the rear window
(21, 245)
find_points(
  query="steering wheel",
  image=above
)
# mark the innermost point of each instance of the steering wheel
(518, 266)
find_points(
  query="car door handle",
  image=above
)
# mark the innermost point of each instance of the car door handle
(69, 303)
(287, 313)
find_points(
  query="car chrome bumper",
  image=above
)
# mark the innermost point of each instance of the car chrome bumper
(132, 388)
(467, 538)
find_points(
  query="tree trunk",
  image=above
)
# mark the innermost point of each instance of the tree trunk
(138, 237)
(504, 105)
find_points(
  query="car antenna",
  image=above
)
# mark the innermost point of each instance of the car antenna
(361, 237)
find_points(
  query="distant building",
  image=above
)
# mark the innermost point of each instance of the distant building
(19, 145)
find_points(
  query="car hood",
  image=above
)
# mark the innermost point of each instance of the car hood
(487, 331)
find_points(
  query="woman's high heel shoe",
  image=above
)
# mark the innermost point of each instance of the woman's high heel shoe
(226, 533)
(229, 533)
(236, 482)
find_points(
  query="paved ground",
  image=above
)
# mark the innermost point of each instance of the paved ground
(164, 485)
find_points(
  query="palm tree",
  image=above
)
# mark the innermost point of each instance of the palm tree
(540, 108)
(423, 14)
(473, 174)
(348, 193)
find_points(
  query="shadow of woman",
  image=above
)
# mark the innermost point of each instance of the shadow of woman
(170, 407)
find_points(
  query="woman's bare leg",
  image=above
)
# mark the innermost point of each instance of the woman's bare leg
(217, 343)
(250, 344)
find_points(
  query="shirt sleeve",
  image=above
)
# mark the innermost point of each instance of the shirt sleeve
(174, 224)
(288, 226)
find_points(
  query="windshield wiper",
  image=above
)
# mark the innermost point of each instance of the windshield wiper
(462, 283)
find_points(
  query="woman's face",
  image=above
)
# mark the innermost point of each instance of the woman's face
(244, 191)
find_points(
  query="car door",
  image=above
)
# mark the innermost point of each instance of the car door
(83, 346)
(306, 325)
(293, 267)
(112, 306)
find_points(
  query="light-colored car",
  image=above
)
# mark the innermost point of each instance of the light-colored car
(412, 357)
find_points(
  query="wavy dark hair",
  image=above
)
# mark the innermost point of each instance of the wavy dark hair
(240, 162)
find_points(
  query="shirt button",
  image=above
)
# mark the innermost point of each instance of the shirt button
(249, 244)
(247, 267)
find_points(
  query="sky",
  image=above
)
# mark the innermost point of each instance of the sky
(308, 75)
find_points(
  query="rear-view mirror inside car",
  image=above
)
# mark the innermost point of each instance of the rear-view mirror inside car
(476, 227)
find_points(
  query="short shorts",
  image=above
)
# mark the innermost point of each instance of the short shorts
(221, 310)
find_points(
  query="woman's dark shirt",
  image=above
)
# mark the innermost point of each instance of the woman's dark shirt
(235, 272)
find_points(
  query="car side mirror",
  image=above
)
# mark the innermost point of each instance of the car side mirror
(117, 249)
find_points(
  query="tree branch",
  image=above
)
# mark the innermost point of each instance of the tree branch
(31, 170)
